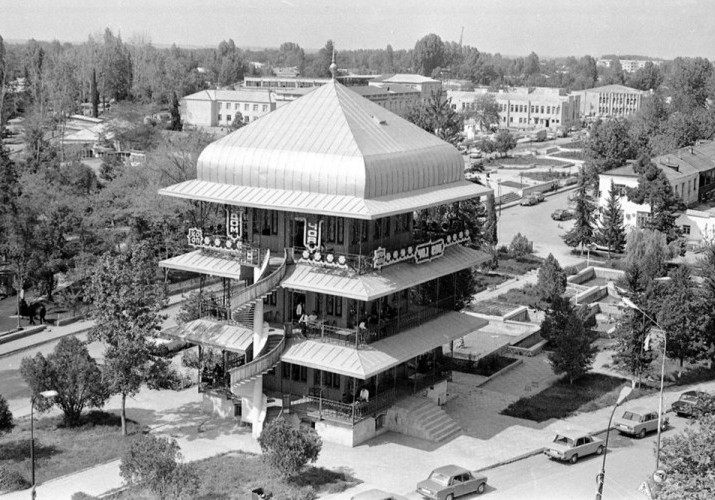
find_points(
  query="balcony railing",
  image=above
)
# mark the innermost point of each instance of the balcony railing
(329, 333)
(351, 412)
(258, 366)
(262, 287)
(409, 319)
(243, 251)
(360, 264)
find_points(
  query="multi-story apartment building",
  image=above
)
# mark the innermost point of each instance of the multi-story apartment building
(218, 108)
(524, 107)
(333, 304)
(610, 101)
(629, 65)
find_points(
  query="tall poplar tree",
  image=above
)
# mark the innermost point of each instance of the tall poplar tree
(611, 232)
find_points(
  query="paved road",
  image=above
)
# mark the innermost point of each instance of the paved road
(628, 464)
(536, 224)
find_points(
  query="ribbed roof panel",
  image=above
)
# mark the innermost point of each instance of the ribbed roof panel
(332, 141)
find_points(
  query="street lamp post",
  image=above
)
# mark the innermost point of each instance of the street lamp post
(45, 395)
(629, 303)
(600, 478)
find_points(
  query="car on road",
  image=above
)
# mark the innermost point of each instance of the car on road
(451, 481)
(529, 201)
(689, 402)
(376, 494)
(569, 446)
(561, 214)
(639, 421)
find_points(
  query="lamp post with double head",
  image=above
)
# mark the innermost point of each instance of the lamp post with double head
(632, 305)
(601, 477)
(43, 395)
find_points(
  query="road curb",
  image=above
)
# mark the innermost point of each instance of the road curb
(43, 342)
(513, 459)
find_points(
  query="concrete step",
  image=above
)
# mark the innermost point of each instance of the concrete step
(421, 417)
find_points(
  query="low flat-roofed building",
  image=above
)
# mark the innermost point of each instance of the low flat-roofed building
(427, 86)
(218, 108)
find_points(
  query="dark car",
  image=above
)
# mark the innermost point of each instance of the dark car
(529, 201)
(689, 402)
(561, 214)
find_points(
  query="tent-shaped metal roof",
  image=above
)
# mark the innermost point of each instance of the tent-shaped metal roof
(336, 150)
(220, 335)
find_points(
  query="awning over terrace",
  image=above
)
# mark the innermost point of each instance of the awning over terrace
(207, 333)
(379, 284)
(375, 358)
(204, 263)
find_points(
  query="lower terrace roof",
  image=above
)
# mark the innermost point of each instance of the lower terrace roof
(224, 336)
(374, 285)
(384, 354)
(204, 263)
(325, 204)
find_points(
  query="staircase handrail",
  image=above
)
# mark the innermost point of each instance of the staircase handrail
(263, 286)
(258, 365)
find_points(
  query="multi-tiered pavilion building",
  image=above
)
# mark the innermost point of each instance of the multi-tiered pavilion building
(334, 304)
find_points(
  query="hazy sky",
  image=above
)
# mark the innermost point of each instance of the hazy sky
(658, 28)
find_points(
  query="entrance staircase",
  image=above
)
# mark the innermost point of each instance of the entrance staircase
(422, 418)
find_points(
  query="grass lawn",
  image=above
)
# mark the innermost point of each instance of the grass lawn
(591, 392)
(525, 296)
(571, 155)
(484, 281)
(574, 145)
(526, 160)
(236, 473)
(518, 266)
(61, 450)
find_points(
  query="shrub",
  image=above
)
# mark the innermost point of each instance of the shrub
(12, 480)
(6, 422)
(190, 358)
(287, 449)
(570, 270)
(80, 495)
(153, 462)
(520, 246)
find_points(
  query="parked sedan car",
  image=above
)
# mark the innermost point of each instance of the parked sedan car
(561, 214)
(529, 201)
(688, 403)
(451, 481)
(639, 421)
(539, 197)
(569, 446)
(376, 494)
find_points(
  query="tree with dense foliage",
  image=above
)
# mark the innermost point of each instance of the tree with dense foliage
(582, 233)
(504, 141)
(610, 232)
(687, 458)
(175, 113)
(708, 289)
(428, 54)
(490, 224)
(288, 449)
(520, 246)
(551, 279)
(688, 82)
(127, 302)
(684, 315)
(608, 147)
(115, 68)
(647, 250)
(485, 112)
(649, 77)
(72, 372)
(154, 462)
(437, 117)
(572, 353)
(6, 421)
(655, 190)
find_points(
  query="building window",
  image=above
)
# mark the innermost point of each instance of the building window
(686, 229)
(265, 108)
(255, 107)
(228, 118)
(219, 117)
(245, 107)
(285, 370)
(219, 105)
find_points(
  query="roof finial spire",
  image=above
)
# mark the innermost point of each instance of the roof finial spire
(333, 67)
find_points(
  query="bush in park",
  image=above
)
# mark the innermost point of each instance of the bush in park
(153, 462)
(286, 448)
(520, 246)
(6, 422)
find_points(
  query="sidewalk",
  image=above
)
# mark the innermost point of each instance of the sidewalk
(52, 333)
(177, 415)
